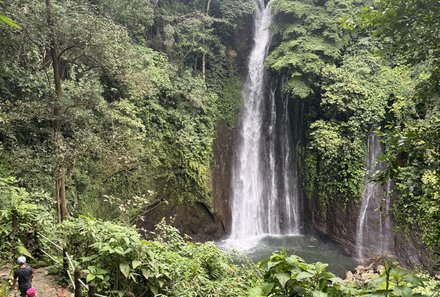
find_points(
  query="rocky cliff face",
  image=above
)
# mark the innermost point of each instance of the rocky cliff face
(221, 175)
(336, 221)
(193, 219)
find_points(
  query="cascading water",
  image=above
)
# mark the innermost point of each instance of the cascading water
(374, 223)
(264, 179)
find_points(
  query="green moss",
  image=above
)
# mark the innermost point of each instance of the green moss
(230, 101)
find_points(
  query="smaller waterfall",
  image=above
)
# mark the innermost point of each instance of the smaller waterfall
(374, 222)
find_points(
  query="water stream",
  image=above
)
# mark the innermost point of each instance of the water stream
(374, 234)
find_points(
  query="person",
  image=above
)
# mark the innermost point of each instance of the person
(24, 275)
(32, 292)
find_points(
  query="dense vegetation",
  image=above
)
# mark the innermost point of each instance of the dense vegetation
(116, 101)
(359, 70)
(121, 263)
(106, 108)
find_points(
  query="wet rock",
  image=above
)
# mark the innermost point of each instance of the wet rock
(380, 269)
(221, 170)
(193, 219)
(349, 276)
(360, 269)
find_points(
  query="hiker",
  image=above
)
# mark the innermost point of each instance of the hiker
(24, 274)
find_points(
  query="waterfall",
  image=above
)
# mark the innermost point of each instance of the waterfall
(274, 227)
(374, 222)
(264, 178)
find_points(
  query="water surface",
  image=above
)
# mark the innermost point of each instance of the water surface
(310, 248)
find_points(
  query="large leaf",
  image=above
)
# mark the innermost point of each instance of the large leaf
(125, 269)
(412, 279)
(8, 22)
(267, 288)
(135, 264)
(283, 278)
(303, 275)
(21, 249)
(264, 262)
(256, 292)
(90, 277)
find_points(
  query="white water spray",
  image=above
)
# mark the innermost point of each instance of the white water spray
(264, 178)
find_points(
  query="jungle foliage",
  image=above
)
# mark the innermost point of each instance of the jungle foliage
(116, 102)
(412, 136)
(119, 262)
(359, 68)
(117, 105)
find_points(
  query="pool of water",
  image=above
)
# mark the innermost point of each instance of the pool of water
(310, 248)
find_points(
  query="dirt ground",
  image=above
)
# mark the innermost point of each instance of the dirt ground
(44, 283)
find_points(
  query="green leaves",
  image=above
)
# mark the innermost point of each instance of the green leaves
(290, 275)
(90, 277)
(282, 278)
(125, 269)
(136, 263)
(394, 282)
(167, 265)
(310, 39)
(9, 22)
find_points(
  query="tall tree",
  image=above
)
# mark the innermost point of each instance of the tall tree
(60, 171)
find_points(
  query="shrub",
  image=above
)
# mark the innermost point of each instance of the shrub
(119, 261)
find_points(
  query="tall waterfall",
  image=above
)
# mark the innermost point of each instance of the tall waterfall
(264, 178)
(374, 235)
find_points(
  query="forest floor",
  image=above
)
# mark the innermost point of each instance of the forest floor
(45, 284)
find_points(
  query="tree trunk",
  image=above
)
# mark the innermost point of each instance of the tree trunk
(15, 227)
(59, 174)
(92, 290)
(77, 276)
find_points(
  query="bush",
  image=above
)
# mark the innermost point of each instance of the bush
(20, 221)
(290, 276)
(119, 261)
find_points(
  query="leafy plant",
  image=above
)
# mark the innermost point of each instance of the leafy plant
(393, 282)
(119, 261)
(292, 276)
(21, 220)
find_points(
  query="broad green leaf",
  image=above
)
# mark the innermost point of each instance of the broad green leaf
(303, 275)
(8, 21)
(135, 264)
(267, 288)
(272, 264)
(90, 277)
(264, 262)
(320, 267)
(412, 279)
(22, 250)
(283, 278)
(125, 269)
(256, 292)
